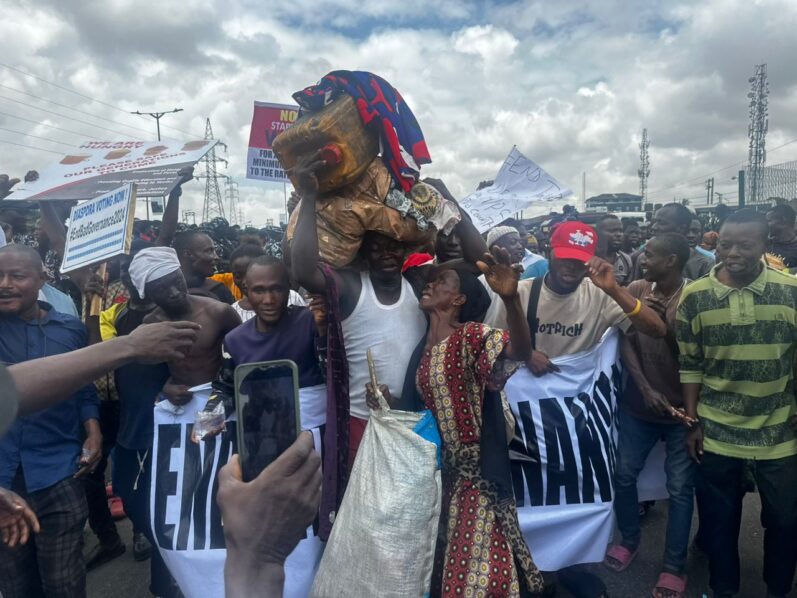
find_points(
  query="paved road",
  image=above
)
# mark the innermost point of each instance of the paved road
(125, 578)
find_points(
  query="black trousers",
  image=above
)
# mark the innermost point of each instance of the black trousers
(100, 519)
(720, 487)
(51, 563)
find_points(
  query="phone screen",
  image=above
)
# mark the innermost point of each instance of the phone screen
(266, 403)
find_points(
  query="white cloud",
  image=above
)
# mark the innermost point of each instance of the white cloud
(570, 83)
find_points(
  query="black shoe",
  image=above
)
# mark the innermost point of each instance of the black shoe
(103, 554)
(141, 547)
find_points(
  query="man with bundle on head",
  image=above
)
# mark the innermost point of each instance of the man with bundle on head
(155, 273)
(359, 208)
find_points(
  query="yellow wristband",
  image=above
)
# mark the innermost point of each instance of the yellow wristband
(636, 310)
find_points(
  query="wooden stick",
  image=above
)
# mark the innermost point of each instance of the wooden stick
(96, 300)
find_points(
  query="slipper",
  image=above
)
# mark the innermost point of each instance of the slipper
(674, 584)
(620, 557)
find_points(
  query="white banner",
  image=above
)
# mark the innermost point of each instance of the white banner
(186, 521)
(519, 183)
(96, 167)
(563, 457)
(99, 228)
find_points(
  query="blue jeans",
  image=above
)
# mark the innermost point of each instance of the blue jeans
(635, 441)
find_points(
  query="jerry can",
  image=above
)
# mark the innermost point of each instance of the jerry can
(337, 129)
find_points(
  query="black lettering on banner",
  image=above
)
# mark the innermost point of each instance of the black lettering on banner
(525, 459)
(190, 477)
(557, 439)
(591, 453)
(165, 482)
(201, 495)
(228, 447)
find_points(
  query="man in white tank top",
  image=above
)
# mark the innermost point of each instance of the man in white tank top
(378, 308)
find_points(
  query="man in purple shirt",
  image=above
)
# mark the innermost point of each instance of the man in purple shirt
(278, 331)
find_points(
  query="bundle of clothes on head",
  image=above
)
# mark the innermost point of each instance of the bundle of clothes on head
(388, 197)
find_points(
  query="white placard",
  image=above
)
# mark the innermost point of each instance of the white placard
(519, 183)
(99, 228)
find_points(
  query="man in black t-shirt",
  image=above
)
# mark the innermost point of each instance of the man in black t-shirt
(782, 238)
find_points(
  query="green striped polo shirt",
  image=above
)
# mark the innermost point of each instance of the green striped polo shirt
(739, 345)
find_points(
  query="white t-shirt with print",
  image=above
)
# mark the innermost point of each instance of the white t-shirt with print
(567, 323)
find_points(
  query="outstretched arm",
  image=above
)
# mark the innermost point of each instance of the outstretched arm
(643, 318)
(503, 276)
(44, 382)
(171, 212)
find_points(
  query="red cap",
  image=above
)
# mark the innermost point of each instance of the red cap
(573, 240)
(417, 259)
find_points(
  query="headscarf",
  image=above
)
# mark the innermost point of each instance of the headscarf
(498, 232)
(151, 264)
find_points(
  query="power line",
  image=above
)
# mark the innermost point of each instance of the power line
(116, 122)
(68, 117)
(41, 149)
(37, 137)
(38, 122)
(77, 93)
(701, 179)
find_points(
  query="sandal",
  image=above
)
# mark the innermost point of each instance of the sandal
(618, 558)
(672, 584)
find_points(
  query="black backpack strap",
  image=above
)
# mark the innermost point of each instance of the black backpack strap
(531, 312)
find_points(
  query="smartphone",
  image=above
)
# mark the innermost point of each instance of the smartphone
(267, 406)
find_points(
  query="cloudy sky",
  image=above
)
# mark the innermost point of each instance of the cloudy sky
(571, 83)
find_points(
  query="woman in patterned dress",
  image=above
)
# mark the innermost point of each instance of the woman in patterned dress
(481, 552)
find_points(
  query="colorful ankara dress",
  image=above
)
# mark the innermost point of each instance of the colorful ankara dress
(481, 552)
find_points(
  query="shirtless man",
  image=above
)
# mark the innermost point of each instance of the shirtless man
(156, 274)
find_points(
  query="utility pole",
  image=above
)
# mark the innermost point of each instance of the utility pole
(757, 131)
(157, 116)
(710, 191)
(644, 165)
(189, 214)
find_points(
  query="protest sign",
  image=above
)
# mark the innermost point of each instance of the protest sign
(96, 167)
(563, 456)
(99, 228)
(519, 183)
(185, 518)
(268, 121)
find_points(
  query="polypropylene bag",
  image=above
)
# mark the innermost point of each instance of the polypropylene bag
(383, 540)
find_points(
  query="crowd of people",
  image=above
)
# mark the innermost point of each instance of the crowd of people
(708, 329)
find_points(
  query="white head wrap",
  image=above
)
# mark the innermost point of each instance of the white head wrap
(2, 237)
(498, 232)
(151, 264)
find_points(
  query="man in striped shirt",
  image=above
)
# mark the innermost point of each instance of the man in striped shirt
(736, 333)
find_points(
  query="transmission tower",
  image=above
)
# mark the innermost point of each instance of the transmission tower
(757, 131)
(213, 205)
(231, 191)
(644, 165)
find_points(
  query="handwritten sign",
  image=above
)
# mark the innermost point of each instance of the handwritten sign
(519, 183)
(99, 228)
(268, 121)
(97, 167)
